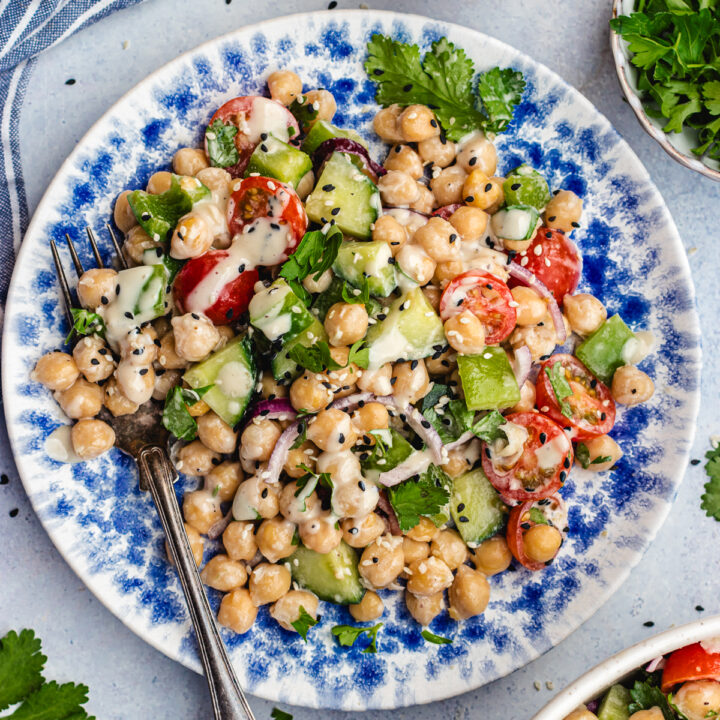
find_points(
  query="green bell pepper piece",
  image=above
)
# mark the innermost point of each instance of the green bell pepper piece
(526, 186)
(488, 380)
(602, 352)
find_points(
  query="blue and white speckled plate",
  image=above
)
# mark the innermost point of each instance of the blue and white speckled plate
(634, 261)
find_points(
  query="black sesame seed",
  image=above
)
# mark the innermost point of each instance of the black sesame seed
(425, 424)
(408, 87)
(445, 363)
(488, 187)
(463, 519)
(156, 341)
(375, 559)
(566, 462)
(413, 364)
(391, 261)
(563, 475)
(263, 136)
(446, 421)
(593, 383)
(341, 438)
(145, 216)
(472, 161)
(515, 186)
(393, 380)
(460, 507)
(143, 371)
(361, 485)
(603, 416)
(433, 122)
(117, 289)
(543, 438)
(548, 235)
(263, 147)
(335, 211)
(699, 608)
(453, 237)
(4, 479)
(104, 300)
(381, 316)
(326, 385)
(575, 224)
(695, 462)
(129, 315)
(194, 316)
(103, 351)
(274, 226)
(264, 493)
(13, 513)
(551, 218)
(377, 71)
(241, 268)
(469, 199)
(328, 187)
(649, 623)
(94, 361)
(525, 526)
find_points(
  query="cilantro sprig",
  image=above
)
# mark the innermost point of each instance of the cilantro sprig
(176, 416)
(220, 138)
(443, 80)
(304, 622)
(561, 387)
(488, 427)
(317, 357)
(278, 714)
(582, 455)
(348, 634)
(711, 497)
(415, 498)
(360, 294)
(85, 323)
(646, 694)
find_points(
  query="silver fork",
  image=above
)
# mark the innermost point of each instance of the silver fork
(143, 437)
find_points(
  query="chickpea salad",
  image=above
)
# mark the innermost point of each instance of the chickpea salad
(683, 685)
(383, 373)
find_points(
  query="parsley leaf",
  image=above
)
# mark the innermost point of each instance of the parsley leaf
(359, 355)
(176, 417)
(646, 695)
(348, 634)
(352, 294)
(278, 714)
(317, 357)
(220, 139)
(435, 639)
(711, 497)
(85, 323)
(304, 623)
(414, 498)
(302, 435)
(561, 387)
(443, 80)
(303, 111)
(487, 428)
(582, 454)
(448, 415)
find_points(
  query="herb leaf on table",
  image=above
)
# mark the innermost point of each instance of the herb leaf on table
(711, 497)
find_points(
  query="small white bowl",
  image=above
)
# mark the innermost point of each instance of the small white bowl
(677, 145)
(595, 682)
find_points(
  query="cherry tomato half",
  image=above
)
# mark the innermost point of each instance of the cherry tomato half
(591, 408)
(557, 264)
(229, 297)
(487, 297)
(258, 198)
(690, 663)
(520, 521)
(542, 466)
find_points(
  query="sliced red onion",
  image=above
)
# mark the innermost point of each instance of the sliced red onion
(277, 409)
(280, 453)
(656, 664)
(389, 511)
(351, 147)
(522, 364)
(467, 435)
(406, 469)
(527, 278)
(593, 706)
(218, 528)
(446, 210)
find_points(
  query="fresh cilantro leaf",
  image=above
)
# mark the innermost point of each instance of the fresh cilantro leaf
(435, 639)
(443, 80)
(303, 111)
(582, 455)
(278, 714)
(448, 415)
(711, 96)
(316, 358)
(221, 148)
(313, 479)
(646, 695)
(488, 427)
(359, 355)
(435, 475)
(501, 91)
(302, 435)
(415, 498)
(21, 665)
(85, 323)
(561, 387)
(711, 497)
(53, 702)
(537, 516)
(176, 417)
(304, 623)
(348, 634)
(352, 294)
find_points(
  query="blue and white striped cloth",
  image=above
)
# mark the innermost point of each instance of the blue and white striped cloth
(27, 27)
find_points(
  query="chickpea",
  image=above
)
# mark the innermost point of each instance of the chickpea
(56, 371)
(303, 455)
(81, 400)
(332, 430)
(414, 261)
(483, 192)
(631, 386)
(541, 543)
(322, 101)
(346, 323)
(237, 611)
(376, 381)
(424, 531)
(309, 393)
(428, 576)
(424, 609)
(289, 607)
(223, 480)
(284, 86)
(433, 296)
(96, 287)
(698, 699)
(448, 185)
(404, 158)
(439, 239)
(385, 124)
(398, 188)
(165, 380)
(531, 308)
(413, 550)
(582, 713)
(469, 594)
(192, 237)
(201, 510)
(371, 416)
(123, 215)
(425, 201)
(136, 382)
(268, 583)
(138, 346)
(602, 446)
(441, 362)
(437, 150)
(361, 532)
(321, 284)
(563, 211)
(215, 179)
(478, 153)
(255, 497)
(449, 547)
(216, 434)
(195, 336)
(411, 381)
(456, 464)
(492, 556)
(239, 541)
(387, 229)
(259, 438)
(196, 459)
(115, 401)
(465, 333)
(91, 438)
(271, 388)
(274, 538)
(654, 713)
(382, 561)
(540, 339)
(527, 398)
(470, 222)
(447, 271)
(355, 498)
(296, 508)
(369, 608)
(189, 161)
(93, 359)
(168, 356)
(584, 312)
(342, 381)
(320, 534)
(159, 182)
(417, 123)
(224, 574)
(137, 241)
(196, 545)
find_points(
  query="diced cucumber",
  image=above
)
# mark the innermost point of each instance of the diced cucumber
(322, 130)
(526, 186)
(409, 331)
(488, 380)
(326, 299)
(515, 222)
(284, 369)
(369, 260)
(602, 352)
(614, 705)
(278, 312)
(390, 449)
(345, 195)
(276, 159)
(232, 372)
(155, 256)
(476, 507)
(331, 576)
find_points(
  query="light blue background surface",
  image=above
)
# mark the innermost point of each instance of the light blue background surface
(85, 643)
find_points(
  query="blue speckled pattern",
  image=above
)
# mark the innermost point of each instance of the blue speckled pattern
(634, 262)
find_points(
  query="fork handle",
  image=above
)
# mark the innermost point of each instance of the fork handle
(158, 475)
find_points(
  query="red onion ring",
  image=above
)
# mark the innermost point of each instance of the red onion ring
(529, 279)
(467, 435)
(351, 147)
(280, 453)
(218, 528)
(406, 469)
(656, 664)
(446, 210)
(522, 364)
(276, 409)
(389, 511)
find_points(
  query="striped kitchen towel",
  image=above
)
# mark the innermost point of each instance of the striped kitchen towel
(27, 27)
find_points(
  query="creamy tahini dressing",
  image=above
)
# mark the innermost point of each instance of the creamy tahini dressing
(637, 348)
(266, 310)
(512, 224)
(234, 379)
(552, 453)
(266, 117)
(58, 446)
